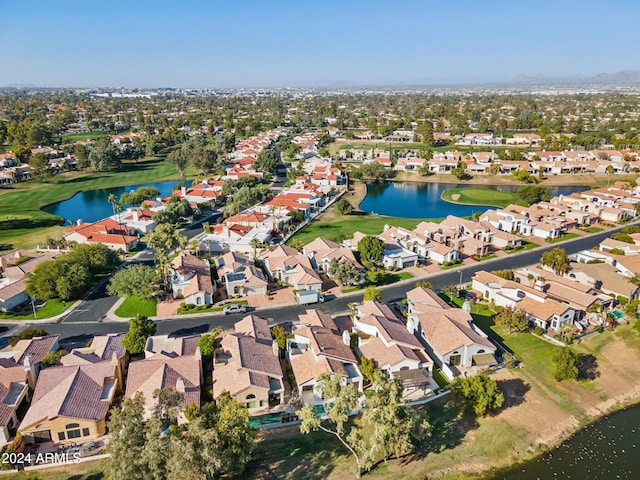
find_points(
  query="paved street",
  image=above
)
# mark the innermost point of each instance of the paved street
(74, 334)
(98, 303)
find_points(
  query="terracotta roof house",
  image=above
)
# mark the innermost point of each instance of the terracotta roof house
(288, 265)
(167, 346)
(19, 369)
(13, 392)
(247, 366)
(547, 314)
(386, 340)
(449, 334)
(109, 232)
(191, 279)
(604, 277)
(70, 404)
(180, 373)
(103, 348)
(240, 275)
(321, 252)
(318, 348)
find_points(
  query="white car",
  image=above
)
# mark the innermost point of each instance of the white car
(234, 308)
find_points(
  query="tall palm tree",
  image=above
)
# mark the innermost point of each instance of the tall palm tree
(112, 200)
(255, 243)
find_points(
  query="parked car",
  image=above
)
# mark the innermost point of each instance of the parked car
(234, 308)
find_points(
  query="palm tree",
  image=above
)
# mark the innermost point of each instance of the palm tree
(255, 243)
(194, 247)
(610, 171)
(112, 200)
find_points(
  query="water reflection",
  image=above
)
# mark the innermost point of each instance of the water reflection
(422, 200)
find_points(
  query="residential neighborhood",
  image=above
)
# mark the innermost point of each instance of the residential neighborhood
(320, 257)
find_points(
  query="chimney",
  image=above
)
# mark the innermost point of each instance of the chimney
(183, 191)
(30, 370)
(275, 348)
(136, 216)
(116, 363)
(346, 338)
(180, 385)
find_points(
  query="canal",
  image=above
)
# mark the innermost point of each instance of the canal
(422, 200)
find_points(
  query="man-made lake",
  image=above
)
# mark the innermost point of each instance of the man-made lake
(607, 449)
(93, 205)
(422, 200)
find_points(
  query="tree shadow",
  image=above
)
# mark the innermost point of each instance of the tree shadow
(514, 391)
(290, 454)
(450, 424)
(28, 223)
(588, 367)
(486, 324)
(185, 332)
(5, 246)
(78, 341)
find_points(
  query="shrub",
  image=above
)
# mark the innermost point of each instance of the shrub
(538, 330)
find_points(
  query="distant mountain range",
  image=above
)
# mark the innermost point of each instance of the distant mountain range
(624, 77)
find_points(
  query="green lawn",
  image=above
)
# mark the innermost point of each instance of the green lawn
(592, 229)
(210, 309)
(386, 280)
(352, 289)
(133, 306)
(79, 137)
(563, 237)
(344, 227)
(526, 245)
(481, 196)
(50, 309)
(23, 224)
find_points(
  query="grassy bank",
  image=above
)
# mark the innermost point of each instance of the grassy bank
(480, 196)
(22, 222)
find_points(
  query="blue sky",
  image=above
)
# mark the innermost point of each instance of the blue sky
(307, 43)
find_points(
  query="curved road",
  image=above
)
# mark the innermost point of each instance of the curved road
(73, 335)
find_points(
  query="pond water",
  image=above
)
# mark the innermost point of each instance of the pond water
(92, 205)
(607, 449)
(422, 200)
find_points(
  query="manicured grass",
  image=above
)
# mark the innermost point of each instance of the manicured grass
(526, 245)
(563, 237)
(386, 280)
(395, 277)
(23, 224)
(211, 309)
(352, 289)
(345, 226)
(134, 305)
(50, 309)
(79, 137)
(480, 196)
(592, 229)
